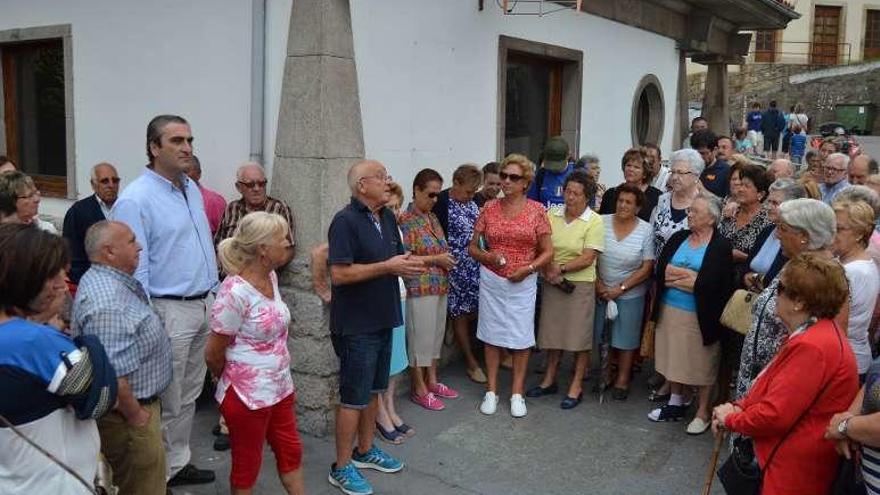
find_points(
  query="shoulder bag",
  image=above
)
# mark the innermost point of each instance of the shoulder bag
(738, 311)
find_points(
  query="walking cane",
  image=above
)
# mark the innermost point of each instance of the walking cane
(710, 474)
(605, 360)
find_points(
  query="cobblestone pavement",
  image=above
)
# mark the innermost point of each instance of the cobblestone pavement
(593, 449)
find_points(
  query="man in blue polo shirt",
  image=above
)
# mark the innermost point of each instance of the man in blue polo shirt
(716, 175)
(550, 178)
(366, 256)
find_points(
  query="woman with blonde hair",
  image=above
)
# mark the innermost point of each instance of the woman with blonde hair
(247, 353)
(511, 241)
(20, 201)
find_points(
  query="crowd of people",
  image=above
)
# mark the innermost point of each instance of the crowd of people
(114, 323)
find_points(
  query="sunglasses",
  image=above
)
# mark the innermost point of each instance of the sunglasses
(255, 184)
(512, 177)
(108, 180)
(781, 288)
(433, 195)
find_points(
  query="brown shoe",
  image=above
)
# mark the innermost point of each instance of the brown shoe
(477, 375)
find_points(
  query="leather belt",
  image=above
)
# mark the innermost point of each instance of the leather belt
(184, 298)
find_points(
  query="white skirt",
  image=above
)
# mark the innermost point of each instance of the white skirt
(507, 311)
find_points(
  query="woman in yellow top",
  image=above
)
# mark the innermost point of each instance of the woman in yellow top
(568, 297)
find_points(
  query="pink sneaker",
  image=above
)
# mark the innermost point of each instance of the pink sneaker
(428, 401)
(441, 390)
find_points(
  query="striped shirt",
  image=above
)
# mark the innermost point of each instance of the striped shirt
(113, 306)
(236, 210)
(622, 258)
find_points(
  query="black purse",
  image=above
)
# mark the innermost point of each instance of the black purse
(849, 480)
(740, 474)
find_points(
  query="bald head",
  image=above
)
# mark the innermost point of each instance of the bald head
(360, 170)
(113, 244)
(782, 169)
(860, 169)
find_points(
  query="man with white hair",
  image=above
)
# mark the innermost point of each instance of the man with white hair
(88, 211)
(112, 305)
(782, 168)
(251, 183)
(366, 256)
(836, 166)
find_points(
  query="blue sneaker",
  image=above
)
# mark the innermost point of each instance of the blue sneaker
(349, 480)
(376, 459)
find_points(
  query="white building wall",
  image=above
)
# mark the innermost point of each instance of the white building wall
(133, 60)
(428, 77)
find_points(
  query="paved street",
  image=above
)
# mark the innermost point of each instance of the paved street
(593, 449)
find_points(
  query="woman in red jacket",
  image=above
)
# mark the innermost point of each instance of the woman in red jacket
(813, 376)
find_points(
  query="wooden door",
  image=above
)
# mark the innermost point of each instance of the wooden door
(826, 35)
(765, 46)
(872, 35)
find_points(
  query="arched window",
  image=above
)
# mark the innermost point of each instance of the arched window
(648, 112)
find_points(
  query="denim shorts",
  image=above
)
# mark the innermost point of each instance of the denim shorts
(364, 366)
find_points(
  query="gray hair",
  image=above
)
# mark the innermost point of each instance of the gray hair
(96, 238)
(94, 172)
(691, 157)
(155, 128)
(244, 166)
(713, 203)
(587, 159)
(860, 193)
(789, 188)
(813, 217)
(842, 157)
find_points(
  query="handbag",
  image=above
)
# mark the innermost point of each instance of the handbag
(646, 348)
(740, 474)
(849, 480)
(737, 314)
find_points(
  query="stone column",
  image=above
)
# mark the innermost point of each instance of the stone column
(716, 108)
(319, 138)
(682, 121)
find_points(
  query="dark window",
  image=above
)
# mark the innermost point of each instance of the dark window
(35, 118)
(872, 35)
(826, 35)
(533, 104)
(648, 112)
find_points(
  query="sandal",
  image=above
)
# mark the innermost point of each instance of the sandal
(392, 436)
(405, 429)
(618, 393)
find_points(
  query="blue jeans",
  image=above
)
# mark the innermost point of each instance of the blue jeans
(364, 365)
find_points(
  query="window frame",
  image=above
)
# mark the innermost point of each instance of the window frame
(50, 186)
(875, 50)
(656, 124)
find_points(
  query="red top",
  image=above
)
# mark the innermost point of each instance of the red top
(515, 238)
(215, 204)
(818, 360)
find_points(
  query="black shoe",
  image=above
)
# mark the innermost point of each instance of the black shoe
(216, 430)
(221, 443)
(540, 391)
(191, 475)
(619, 393)
(571, 402)
(668, 413)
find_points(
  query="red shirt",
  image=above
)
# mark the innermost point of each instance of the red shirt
(515, 238)
(816, 361)
(214, 207)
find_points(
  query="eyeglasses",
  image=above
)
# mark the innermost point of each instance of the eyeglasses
(835, 169)
(781, 288)
(513, 177)
(682, 172)
(433, 195)
(108, 180)
(380, 177)
(33, 194)
(258, 184)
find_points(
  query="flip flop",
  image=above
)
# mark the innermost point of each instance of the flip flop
(405, 429)
(391, 436)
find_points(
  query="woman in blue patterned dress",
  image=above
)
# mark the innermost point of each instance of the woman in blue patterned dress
(464, 278)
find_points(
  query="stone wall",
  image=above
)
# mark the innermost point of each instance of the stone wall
(819, 89)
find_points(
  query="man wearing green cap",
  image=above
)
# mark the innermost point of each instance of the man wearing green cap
(550, 178)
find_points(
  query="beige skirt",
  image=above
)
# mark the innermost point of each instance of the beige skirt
(567, 319)
(680, 354)
(425, 327)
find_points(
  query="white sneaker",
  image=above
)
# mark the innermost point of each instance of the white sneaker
(490, 403)
(517, 406)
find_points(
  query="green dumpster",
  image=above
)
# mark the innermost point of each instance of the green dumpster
(858, 118)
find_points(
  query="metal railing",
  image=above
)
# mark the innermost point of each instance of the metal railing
(803, 53)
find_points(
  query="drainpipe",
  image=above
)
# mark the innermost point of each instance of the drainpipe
(258, 72)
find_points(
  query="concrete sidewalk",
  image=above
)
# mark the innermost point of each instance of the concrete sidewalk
(593, 449)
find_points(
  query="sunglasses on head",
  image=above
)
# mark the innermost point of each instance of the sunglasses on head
(107, 180)
(512, 177)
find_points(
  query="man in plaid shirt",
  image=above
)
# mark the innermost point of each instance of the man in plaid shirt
(112, 305)
(250, 181)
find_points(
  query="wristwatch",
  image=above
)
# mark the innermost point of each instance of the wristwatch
(843, 426)
(623, 287)
(562, 268)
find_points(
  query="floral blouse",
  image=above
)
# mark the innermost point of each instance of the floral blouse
(770, 333)
(423, 235)
(663, 223)
(743, 238)
(257, 359)
(515, 238)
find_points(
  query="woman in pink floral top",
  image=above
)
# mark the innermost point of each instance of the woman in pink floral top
(247, 353)
(426, 293)
(511, 241)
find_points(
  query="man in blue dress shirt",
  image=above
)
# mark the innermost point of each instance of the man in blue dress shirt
(178, 270)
